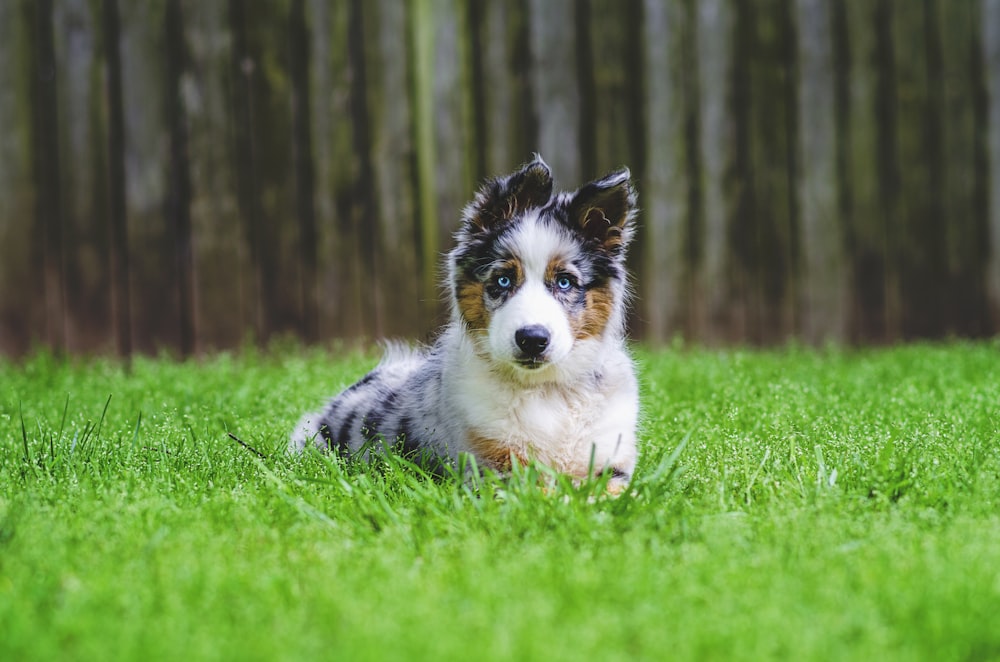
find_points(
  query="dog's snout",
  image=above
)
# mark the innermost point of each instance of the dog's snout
(532, 340)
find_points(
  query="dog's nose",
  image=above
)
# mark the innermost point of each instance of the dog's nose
(532, 340)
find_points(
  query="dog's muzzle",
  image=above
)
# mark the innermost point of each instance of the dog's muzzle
(532, 342)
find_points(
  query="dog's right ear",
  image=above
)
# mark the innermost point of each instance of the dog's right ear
(502, 199)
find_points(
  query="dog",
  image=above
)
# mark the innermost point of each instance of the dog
(533, 364)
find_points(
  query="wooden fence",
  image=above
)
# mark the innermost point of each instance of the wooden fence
(188, 174)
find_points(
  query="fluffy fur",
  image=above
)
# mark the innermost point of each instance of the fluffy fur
(533, 364)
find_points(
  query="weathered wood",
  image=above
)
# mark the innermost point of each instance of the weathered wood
(765, 236)
(46, 169)
(717, 312)
(816, 168)
(586, 78)
(610, 73)
(556, 87)
(392, 160)
(422, 27)
(965, 168)
(863, 171)
(452, 123)
(83, 175)
(887, 158)
(340, 282)
(121, 309)
(990, 31)
(475, 15)
(822, 291)
(179, 185)
(244, 68)
(502, 116)
(222, 267)
(611, 110)
(305, 184)
(364, 209)
(919, 238)
(20, 317)
(666, 194)
(444, 130)
(153, 276)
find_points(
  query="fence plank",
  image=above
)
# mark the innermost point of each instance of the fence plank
(822, 289)
(220, 257)
(121, 308)
(451, 122)
(919, 235)
(339, 283)
(422, 28)
(556, 88)
(154, 311)
(364, 211)
(299, 51)
(765, 238)
(612, 134)
(863, 185)
(392, 165)
(245, 68)
(716, 310)
(20, 289)
(990, 25)
(965, 167)
(502, 106)
(46, 167)
(666, 192)
(82, 174)
(179, 185)
(444, 134)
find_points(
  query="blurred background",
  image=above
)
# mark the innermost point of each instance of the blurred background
(189, 174)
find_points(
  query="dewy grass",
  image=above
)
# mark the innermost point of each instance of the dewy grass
(790, 504)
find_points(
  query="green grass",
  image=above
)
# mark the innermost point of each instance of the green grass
(822, 505)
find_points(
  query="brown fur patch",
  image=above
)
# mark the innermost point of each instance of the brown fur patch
(513, 265)
(554, 267)
(471, 304)
(600, 306)
(494, 454)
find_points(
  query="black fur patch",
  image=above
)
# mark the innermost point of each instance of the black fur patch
(324, 431)
(344, 433)
(408, 444)
(373, 421)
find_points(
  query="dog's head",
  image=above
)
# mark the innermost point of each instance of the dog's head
(536, 275)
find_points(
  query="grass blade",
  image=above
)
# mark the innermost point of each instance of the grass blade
(135, 434)
(24, 440)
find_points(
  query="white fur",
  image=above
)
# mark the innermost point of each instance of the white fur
(560, 415)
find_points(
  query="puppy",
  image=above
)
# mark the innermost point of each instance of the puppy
(533, 363)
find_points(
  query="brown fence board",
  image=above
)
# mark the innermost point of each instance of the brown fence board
(822, 289)
(557, 102)
(965, 167)
(666, 220)
(990, 26)
(717, 311)
(20, 291)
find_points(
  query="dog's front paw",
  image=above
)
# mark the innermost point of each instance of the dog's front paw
(618, 481)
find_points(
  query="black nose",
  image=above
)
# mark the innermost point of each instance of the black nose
(532, 340)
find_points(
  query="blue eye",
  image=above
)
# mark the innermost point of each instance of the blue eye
(564, 283)
(503, 282)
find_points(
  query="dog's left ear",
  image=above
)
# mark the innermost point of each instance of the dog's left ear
(604, 209)
(503, 198)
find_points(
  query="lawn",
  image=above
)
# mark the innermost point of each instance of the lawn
(789, 504)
